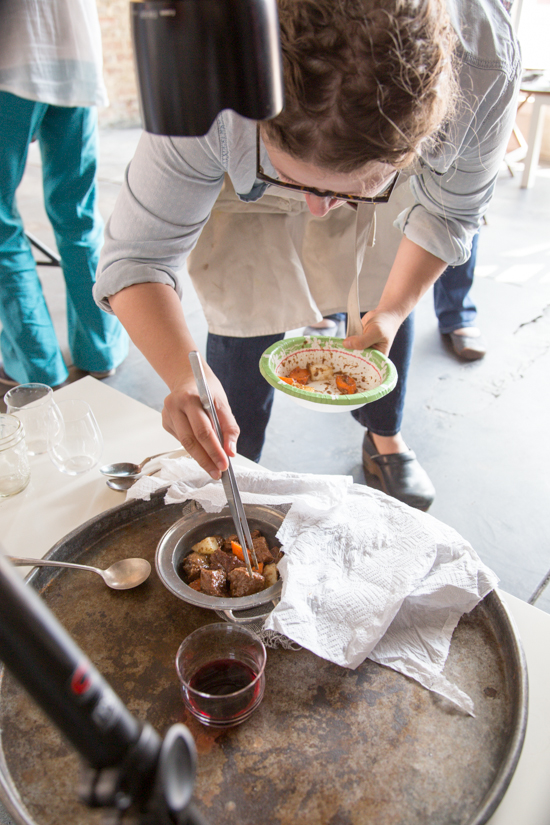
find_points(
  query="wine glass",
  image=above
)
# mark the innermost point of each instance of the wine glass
(80, 443)
(34, 406)
(221, 668)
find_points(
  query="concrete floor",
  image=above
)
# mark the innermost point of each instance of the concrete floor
(479, 429)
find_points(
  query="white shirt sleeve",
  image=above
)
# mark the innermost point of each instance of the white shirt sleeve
(170, 188)
(455, 184)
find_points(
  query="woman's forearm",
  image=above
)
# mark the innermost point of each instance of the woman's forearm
(414, 270)
(153, 317)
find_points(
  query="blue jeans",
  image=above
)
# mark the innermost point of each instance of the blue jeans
(235, 362)
(68, 145)
(452, 302)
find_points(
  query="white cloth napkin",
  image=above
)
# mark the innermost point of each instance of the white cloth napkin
(363, 575)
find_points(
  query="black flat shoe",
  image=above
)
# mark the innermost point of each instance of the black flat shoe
(400, 474)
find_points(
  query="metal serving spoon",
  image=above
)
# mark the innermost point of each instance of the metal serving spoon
(122, 484)
(125, 482)
(122, 575)
(123, 469)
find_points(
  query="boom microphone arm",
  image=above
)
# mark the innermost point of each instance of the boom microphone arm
(127, 768)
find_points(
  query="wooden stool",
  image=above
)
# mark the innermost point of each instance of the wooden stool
(537, 89)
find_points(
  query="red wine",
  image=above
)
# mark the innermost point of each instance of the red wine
(220, 679)
(222, 676)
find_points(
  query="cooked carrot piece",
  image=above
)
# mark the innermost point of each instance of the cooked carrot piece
(293, 383)
(238, 551)
(301, 375)
(345, 383)
(196, 585)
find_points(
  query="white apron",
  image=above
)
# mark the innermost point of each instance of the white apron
(270, 266)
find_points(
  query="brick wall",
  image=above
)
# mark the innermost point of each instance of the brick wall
(118, 67)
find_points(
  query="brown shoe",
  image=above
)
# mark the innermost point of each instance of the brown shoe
(400, 474)
(5, 380)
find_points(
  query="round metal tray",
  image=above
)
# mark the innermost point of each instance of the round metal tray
(327, 745)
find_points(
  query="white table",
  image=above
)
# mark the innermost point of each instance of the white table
(54, 504)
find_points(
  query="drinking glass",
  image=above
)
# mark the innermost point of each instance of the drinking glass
(14, 464)
(79, 445)
(34, 406)
(221, 668)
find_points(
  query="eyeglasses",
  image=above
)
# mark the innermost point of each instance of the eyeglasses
(382, 197)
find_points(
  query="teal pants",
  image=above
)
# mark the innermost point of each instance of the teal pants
(68, 144)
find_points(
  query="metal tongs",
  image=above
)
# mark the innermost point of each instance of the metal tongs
(228, 476)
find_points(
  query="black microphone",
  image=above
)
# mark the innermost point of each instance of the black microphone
(127, 767)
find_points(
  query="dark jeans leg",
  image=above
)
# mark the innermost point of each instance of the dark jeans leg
(337, 316)
(235, 361)
(384, 417)
(452, 302)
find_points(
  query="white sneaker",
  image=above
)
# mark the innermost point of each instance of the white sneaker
(100, 375)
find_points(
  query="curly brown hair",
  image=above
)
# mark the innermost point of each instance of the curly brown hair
(365, 80)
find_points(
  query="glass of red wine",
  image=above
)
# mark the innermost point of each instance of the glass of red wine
(222, 673)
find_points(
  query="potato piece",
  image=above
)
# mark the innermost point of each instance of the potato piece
(206, 546)
(321, 372)
(270, 574)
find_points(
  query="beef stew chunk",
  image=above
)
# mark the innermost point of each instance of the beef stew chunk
(226, 546)
(277, 554)
(220, 572)
(226, 543)
(213, 582)
(263, 553)
(192, 566)
(242, 584)
(221, 560)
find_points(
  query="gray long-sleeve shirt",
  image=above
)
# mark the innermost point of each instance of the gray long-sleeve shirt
(172, 184)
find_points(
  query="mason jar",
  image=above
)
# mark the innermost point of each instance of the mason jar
(15, 470)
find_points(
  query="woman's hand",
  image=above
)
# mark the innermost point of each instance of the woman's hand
(379, 330)
(184, 417)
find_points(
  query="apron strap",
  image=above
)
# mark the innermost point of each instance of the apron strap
(365, 230)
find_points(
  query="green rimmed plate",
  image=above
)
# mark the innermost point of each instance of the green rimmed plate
(374, 372)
